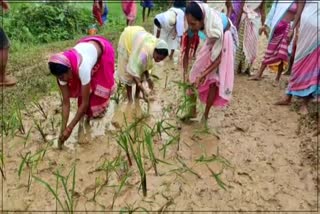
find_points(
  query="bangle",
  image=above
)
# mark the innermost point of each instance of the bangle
(69, 129)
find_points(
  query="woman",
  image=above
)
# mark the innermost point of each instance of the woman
(137, 49)
(85, 72)
(190, 41)
(5, 80)
(100, 11)
(181, 4)
(146, 4)
(169, 26)
(251, 14)
(304, 80)
(235, 16)
(129, 8)
(212, 73)
(276, 56)
(221, 6)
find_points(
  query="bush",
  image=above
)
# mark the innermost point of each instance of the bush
(43, 23)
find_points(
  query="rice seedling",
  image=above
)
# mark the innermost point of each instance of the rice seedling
(131, 209)
(149, 144)
(123, 141)
(216, 176)
(138, 159)
(69, 203)
(187, 102)
(11, 123)
(118, 190)
(27, 138)
(97, 184)
(31, 162)
(39, 127)
(185, 168)
(213, 158)
(19, 118)
(171, 141)
(39, 107)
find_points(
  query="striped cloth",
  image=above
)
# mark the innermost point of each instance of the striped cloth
(304, 81)
(277, 50)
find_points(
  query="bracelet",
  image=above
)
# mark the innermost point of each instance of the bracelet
(69, 129)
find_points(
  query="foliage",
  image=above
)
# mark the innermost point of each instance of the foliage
(43, 23)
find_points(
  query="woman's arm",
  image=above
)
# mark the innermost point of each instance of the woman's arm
(229, 7)
(65, 106)
(297, 17)
(208, 70)
(185, 61)
(158, 32)
(83, 108)
(150, 82)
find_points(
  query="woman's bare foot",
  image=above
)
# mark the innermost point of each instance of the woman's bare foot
(255, 78)
(276, 83)
(284, 102)
(303, 110)
(8, 81)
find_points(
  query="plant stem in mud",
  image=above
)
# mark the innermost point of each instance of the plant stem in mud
(188, 168)
(138, 158)
(149, 142)
(122, 183)
(129, 158)
(69, 202)
(19, 115)
(38, 105)
(144, 184)
(40, 129)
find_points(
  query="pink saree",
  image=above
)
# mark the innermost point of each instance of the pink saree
(102, 84)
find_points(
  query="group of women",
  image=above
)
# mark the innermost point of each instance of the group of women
(87, 70)
(129, 8)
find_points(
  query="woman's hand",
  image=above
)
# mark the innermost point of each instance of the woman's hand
(290, 36)
(150, 84)
(263, 29)
(199, 81)
(65, 135)
(174, 35)
(144, 93)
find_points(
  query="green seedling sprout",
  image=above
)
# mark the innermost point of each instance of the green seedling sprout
(121, 185)
(40, 129)
(69, 204)
(39, 107)
(149, 144)
(138, 159)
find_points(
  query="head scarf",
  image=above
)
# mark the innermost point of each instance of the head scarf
(161, 44)
(60, 58)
